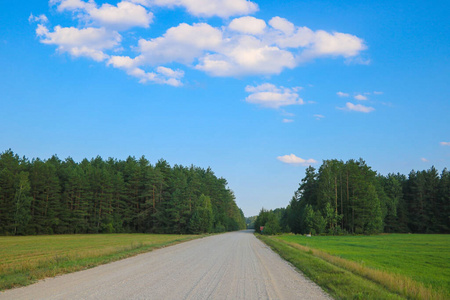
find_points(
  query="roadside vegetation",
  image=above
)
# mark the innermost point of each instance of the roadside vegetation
(371, 267)
(343, 207)
(26, 259)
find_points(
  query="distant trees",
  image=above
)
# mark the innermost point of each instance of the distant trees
(250, 222)
(94, 196)
(427, 198)
(272, 221)
(350, 197)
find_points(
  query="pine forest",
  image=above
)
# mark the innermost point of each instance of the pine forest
(351, 198)
(112, 196)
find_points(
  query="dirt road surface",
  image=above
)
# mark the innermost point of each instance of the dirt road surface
(228, 266)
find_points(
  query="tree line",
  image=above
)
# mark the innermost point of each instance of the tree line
(350, 198)
(104, 196)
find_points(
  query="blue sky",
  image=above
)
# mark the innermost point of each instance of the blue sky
(257, 90)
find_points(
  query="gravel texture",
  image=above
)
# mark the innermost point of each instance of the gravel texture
(227, 266)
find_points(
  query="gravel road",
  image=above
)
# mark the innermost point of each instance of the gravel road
(227, 266)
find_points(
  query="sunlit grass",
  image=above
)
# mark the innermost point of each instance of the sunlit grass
(416, 266)
(337, 281)
(24, 260)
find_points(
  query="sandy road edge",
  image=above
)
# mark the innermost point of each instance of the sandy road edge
(295, 268)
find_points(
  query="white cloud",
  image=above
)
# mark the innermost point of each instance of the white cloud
(124, 62)
(287, 121)
(378, 93)
(246, 55)
(424, 159)
(286, 35)
(247, 46)
(209, 8)
(89, 42)
(72, 5)
(146, 3)
(282, 25)
(163, 75)
(333, 44)
(358, 108)
(445, 143)
(341, 94)
(249, 25)
(123, 16)
(360, 97)
(160, 78)
(38, 19)
(180, 44)
(268, 95)
(319, 117)
(293, 159)
(168, 72)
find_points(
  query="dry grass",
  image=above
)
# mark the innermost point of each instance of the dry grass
(24, 260)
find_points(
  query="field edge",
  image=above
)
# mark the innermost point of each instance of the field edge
(392, 283)
(338, 282)
(63, 265)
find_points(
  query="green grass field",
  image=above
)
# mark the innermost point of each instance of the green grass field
(413, 260)
(26, 259)
(424, 258)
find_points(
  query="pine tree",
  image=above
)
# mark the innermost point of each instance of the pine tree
(22, 199)
(9, 170)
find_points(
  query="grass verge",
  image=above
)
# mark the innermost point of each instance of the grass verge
(24, 260)
(424, 258)
(345, 279)
(338, 282)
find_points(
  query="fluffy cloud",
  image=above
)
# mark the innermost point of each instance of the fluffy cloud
(334, 44)
(249, 25)
(282, 25)
(341, 94)
(180, 44)
(168, 72)
(123, 62)
(121, 17)
(72, 5)
(360, 97)
(287, 121)
(247, 46)
(162, 75)
(89, 42)
(358, 107)
(209, 8)
(246, 55)
(293, 159)
(424, 159)
(268, 95)
(315, 43)
(445, 143)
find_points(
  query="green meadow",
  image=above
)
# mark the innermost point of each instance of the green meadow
(411, 265)
(25, 259)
